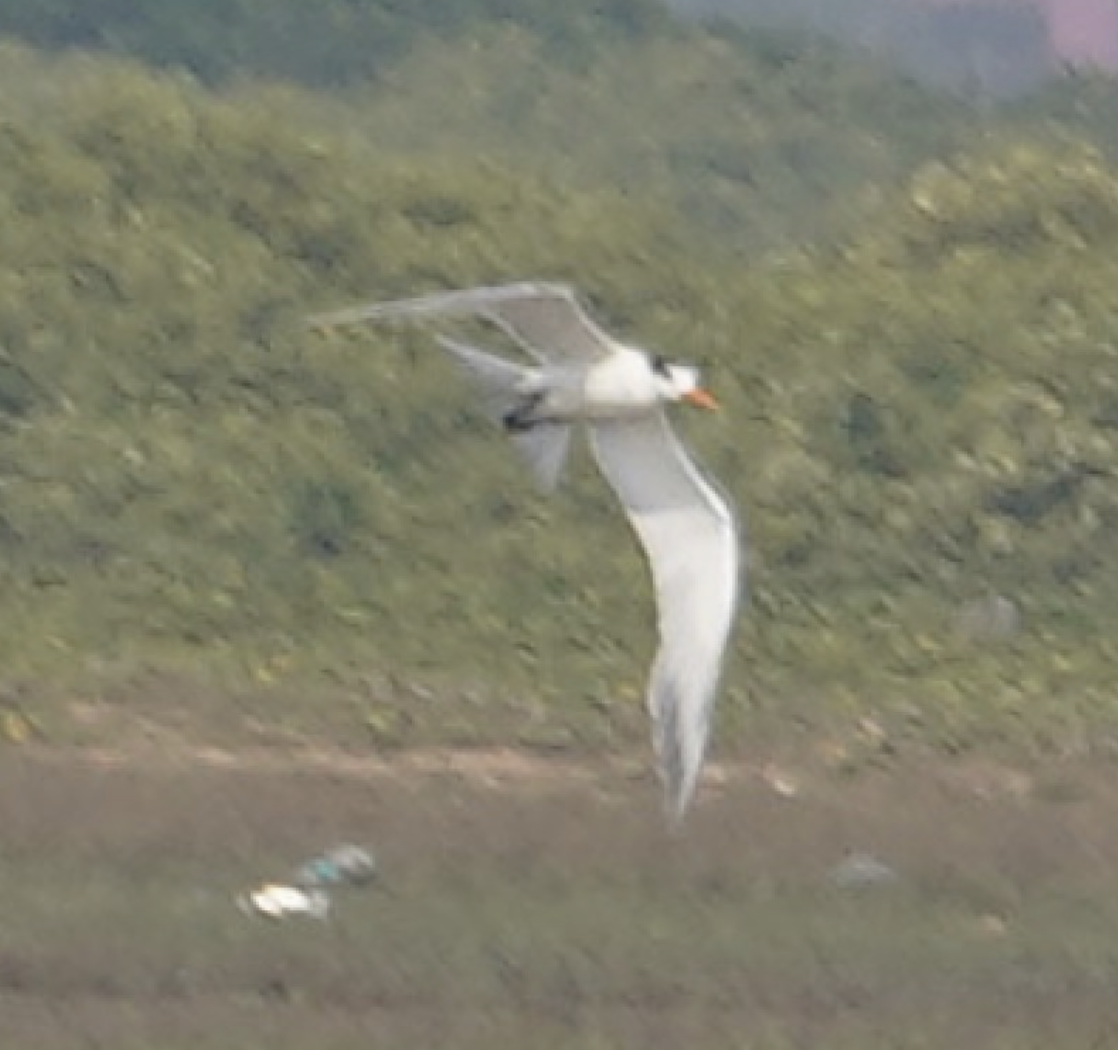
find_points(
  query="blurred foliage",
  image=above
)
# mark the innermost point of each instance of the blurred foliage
(918, 418)
(982, 48)
(1079, 102)
(954, 438)
(190, 479)
(760, 136)
(329, 42)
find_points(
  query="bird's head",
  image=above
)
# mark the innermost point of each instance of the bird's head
(681, 383)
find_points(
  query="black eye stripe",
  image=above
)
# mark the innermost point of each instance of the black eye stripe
(661, 367)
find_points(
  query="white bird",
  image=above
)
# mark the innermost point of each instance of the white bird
(686, 525)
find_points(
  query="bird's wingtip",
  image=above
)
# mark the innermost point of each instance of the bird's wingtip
(677, 804)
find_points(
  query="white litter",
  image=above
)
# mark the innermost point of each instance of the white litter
(273, 901)
(343, 865)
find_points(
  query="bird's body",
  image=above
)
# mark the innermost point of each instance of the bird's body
(620, 386)
(686, 526)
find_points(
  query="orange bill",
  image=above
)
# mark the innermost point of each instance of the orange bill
(702, 398)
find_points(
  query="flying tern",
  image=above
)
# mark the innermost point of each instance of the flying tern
(684, 522)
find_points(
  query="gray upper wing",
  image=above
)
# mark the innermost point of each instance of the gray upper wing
(547, 320)
(690, 535)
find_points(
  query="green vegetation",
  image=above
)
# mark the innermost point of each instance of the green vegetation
(759, 136)
(190, 477)
(989, 47)
(219, 528)
(328, 43)
(954, 438)
(756, 138)
(920, 414)
(1084, 103)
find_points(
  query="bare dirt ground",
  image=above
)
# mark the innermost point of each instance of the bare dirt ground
(527, 896)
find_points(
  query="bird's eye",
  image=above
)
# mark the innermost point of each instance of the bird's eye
(661, 367)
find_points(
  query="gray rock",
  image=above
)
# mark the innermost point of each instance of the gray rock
(991, 619)
(860, 871)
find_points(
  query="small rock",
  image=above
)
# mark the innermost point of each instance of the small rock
(861, 870)
(781, 783)
(990, 925)
(990, 619)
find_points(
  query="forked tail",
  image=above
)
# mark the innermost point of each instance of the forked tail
(505, 391)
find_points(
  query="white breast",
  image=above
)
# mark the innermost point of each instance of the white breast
(621, 385)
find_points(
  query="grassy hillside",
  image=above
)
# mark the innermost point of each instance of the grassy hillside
(985, 50)
(947, 396)
(329, 43)
(1085, 104)
(761, 137)
(189, 480)
(191, 483)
